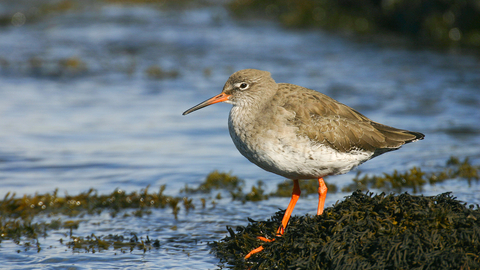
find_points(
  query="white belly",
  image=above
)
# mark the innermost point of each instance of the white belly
(281, 151)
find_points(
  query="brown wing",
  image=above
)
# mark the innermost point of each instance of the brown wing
(330, 122)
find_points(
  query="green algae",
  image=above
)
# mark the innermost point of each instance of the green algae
(217, 180)
(226, 181)
(92, 243)
(17, 214)
(89, 202)
(458, 169)
(364, 231)
(415, 178)
(235, 186)
(256, 194)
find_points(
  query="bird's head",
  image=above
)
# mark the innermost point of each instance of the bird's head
(243, 88)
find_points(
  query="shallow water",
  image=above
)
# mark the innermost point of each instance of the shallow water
(79, 111)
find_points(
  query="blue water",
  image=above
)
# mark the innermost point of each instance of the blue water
(78, 110)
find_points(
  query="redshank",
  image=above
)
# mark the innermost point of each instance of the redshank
(299, 133)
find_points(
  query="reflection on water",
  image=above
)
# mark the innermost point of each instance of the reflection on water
(92, 97)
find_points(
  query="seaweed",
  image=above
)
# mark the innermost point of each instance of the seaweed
(435, 23)
(18, 223)
(17, 214)
(415, 179)
(86, 202)
(365, 231)
(122, 243)
(217, 180)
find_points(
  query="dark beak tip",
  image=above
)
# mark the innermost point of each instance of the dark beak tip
(218, 98)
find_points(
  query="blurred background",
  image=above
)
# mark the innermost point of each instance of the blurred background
(92, 92)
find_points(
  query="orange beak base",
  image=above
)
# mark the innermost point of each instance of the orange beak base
(216, 99)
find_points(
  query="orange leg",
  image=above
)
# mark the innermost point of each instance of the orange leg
(322, 195)
(293, 201)
(295, 195)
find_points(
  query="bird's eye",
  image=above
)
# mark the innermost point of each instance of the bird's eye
(243, 86)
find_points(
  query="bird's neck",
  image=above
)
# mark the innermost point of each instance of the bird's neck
(248, 111)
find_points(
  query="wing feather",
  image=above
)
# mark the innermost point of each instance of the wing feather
(329, 122)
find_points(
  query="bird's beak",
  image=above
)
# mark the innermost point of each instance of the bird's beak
(216, 99)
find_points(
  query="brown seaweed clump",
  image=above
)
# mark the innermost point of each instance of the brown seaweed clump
(436, 23)
(365, 231)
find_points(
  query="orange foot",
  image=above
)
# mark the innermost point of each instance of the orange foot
(295, 195)
(322, 193)
(260, 248)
